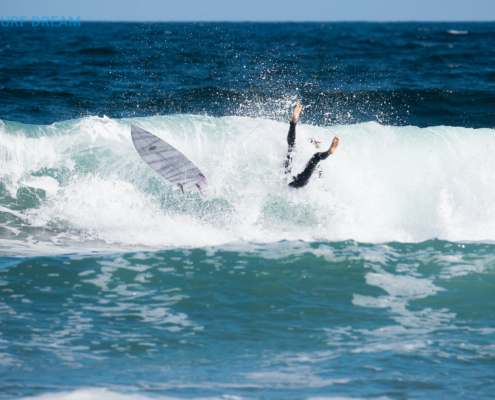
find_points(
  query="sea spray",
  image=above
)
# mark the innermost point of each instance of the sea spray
(382, 184)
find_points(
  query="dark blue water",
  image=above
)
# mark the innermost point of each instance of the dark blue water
(420, 74)
(374, 281)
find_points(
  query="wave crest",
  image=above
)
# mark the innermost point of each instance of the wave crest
(383, 184)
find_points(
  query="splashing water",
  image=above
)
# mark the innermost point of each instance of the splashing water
(81, 181)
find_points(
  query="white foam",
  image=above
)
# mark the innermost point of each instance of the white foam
(383, 183)
(401, 289)
(303, 378)
(402, 285)
(115, 211)
(348, 398)
(105, 394)
(46, 183)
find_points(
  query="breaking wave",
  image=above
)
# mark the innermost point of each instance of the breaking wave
(80, 183)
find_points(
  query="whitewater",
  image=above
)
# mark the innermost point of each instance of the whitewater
(374, 281)
(80, 183)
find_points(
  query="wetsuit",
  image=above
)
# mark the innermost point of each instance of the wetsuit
(302, 179)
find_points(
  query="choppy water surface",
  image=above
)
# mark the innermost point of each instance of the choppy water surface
(375, 281)
(287, 320)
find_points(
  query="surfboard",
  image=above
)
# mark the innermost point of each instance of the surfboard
(167, 161)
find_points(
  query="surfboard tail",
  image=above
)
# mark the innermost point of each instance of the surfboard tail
(203, 178)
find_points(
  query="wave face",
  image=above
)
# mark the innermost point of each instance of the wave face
(81, 183)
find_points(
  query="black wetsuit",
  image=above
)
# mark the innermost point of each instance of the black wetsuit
(302, 179)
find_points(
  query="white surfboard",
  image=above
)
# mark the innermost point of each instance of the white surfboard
(167, 161)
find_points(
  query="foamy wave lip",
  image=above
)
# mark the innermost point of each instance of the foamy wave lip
(455, 32)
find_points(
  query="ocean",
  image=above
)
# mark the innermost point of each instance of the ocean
(375, 281)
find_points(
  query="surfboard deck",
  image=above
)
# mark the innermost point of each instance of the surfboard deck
(167, 161)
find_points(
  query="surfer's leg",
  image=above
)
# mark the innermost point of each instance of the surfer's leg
(302, 179)
(291, 141)
(291, 138)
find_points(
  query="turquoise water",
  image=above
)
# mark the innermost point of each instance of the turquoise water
(255, 292)
(286, 320)
(375, 281)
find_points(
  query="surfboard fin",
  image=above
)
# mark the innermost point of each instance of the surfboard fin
(181, 188)
(203, 179)
(199, 188)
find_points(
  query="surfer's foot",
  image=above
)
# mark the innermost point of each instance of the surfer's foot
(334, 145)
(297, 111)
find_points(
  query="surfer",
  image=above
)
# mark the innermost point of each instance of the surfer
(302, 179)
